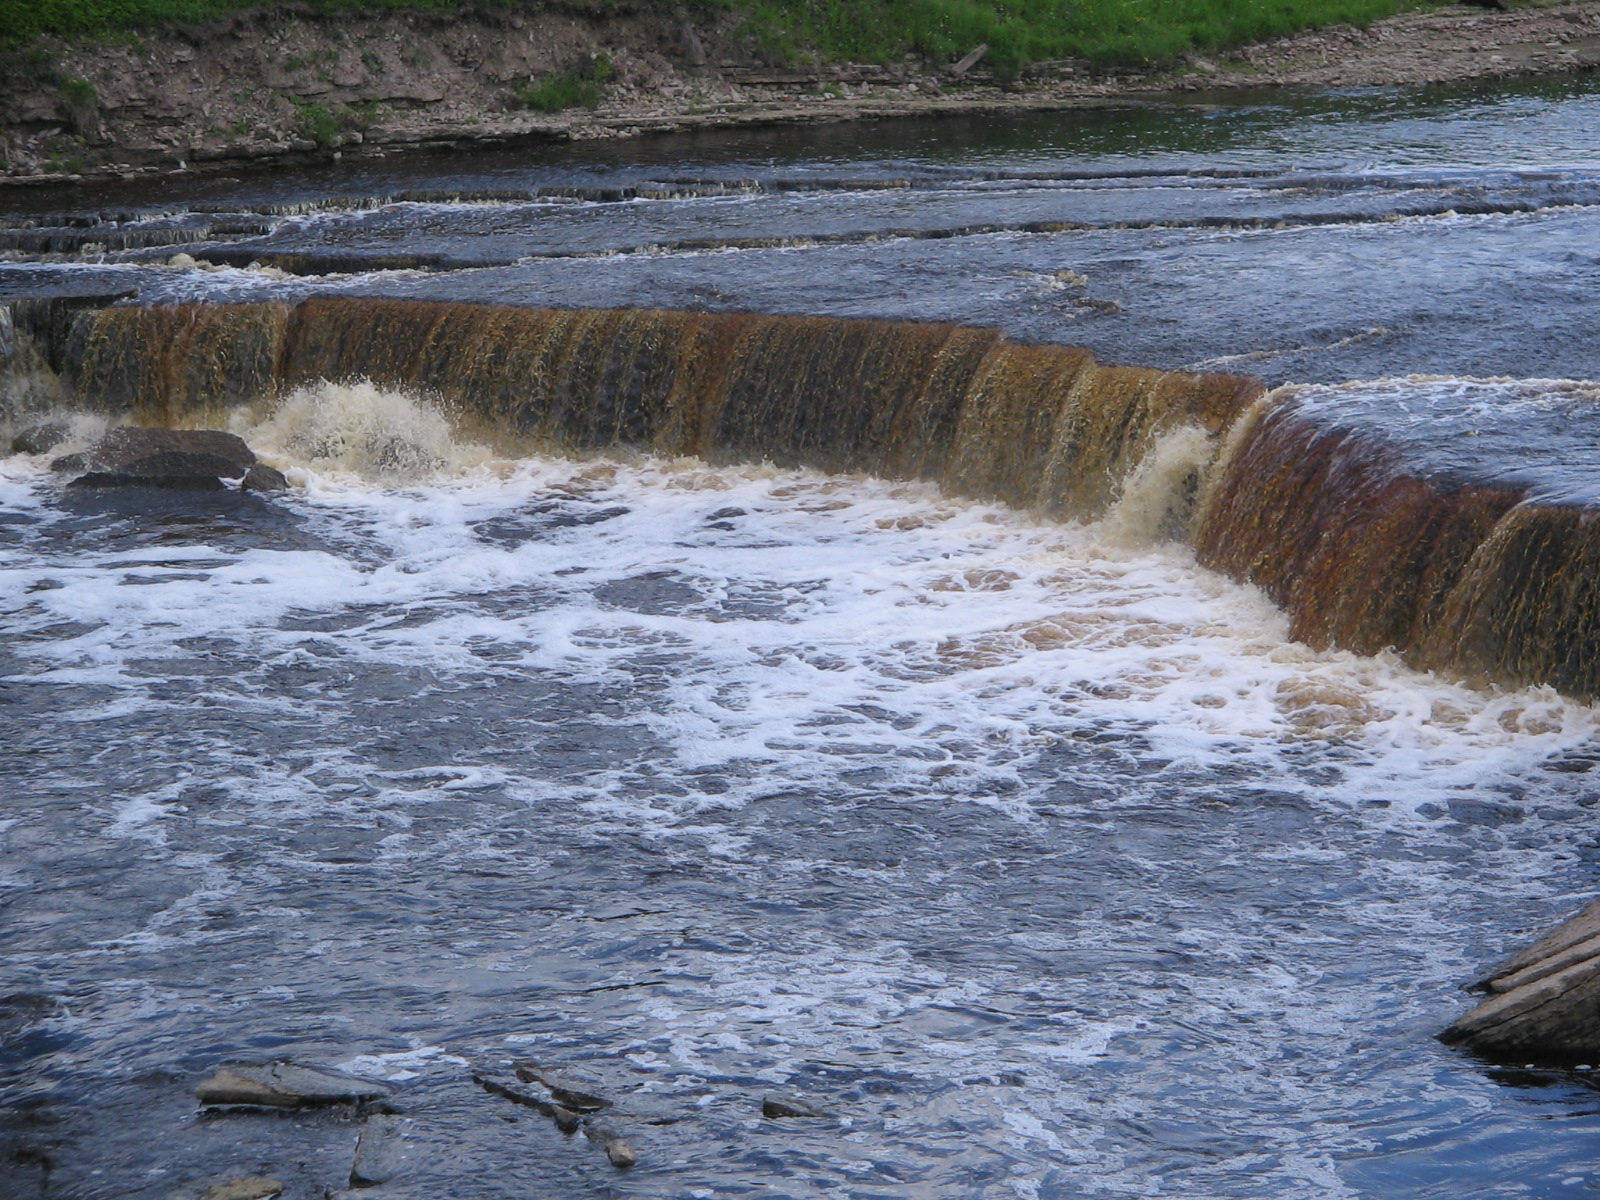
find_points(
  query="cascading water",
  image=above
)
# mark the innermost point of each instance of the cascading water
(1072, 779)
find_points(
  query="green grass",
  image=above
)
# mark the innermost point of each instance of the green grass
(1017, 31)
(580, 86)
(1023, 31)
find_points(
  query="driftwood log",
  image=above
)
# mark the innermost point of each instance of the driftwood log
(1545, 1002)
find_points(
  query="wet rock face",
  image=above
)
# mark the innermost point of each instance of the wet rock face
(285, 1085)
(1545, 1002)
(39, 439)
(170, 458)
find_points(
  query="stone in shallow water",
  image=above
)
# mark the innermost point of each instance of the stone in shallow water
(609, 1138)
(131, 456)
(249, 1187)
(788, 1106)
(536, 1097)
(285, 1085)
(380, 1152)
(580, 1095)
(1544, 1002)
(262, 478)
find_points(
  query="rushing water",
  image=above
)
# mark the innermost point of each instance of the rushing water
(1035, 854)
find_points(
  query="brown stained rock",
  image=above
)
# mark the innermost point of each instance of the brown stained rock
(1545, 1002)
(284, 1085)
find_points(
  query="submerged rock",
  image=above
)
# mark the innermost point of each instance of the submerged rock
(249, 1187)
(788, 1106)
(380, 1152)
(1544, 1002)
(537, 1098)
(609, 1138)
(170, 458)
(285, 1085)
(577, 1094)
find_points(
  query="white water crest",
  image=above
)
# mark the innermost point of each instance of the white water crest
(360, 430)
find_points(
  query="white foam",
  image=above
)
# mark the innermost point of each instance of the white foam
(985, 636)
(358, 430)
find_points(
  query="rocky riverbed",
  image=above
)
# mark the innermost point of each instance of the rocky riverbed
(284, 84)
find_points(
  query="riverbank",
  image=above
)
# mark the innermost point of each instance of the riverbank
(279, 85)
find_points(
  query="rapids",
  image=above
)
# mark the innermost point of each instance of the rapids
(722, 705)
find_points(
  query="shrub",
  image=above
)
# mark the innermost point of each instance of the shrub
(581, 85)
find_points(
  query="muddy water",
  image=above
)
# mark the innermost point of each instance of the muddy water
(1038, 857)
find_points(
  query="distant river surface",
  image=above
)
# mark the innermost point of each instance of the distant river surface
(1033, 854)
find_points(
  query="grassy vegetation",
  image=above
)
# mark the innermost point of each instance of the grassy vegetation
(580, 86)
(1017, 31)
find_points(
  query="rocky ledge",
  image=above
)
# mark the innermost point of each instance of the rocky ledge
(1545, 1002)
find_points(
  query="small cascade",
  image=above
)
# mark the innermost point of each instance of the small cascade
(1449, 520)
(1415, 515)
(1039, 427)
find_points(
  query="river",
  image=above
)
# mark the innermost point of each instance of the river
(1036, 855)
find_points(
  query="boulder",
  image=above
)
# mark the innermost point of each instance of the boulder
(262, 478)
(171, 458)
(1544, 1003)
(285, 1085)
(37, 439)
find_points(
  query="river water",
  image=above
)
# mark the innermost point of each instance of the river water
(1036, 856)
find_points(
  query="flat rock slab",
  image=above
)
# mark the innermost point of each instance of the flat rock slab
(580, 1095)
(250, 1187)
(285, 1085)
(380, 1152)
(160, 457)
(1545, 1002)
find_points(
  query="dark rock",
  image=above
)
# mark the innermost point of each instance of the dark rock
(262, 478)
(576, 1094)
(183, 483)
(155, 454)
(285, 1085)
(788, 1106)
(37, 439)
(380, 1151)
(537, 1098)
(1545, 1002)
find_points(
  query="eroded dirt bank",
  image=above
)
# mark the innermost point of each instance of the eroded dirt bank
(283, 83)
